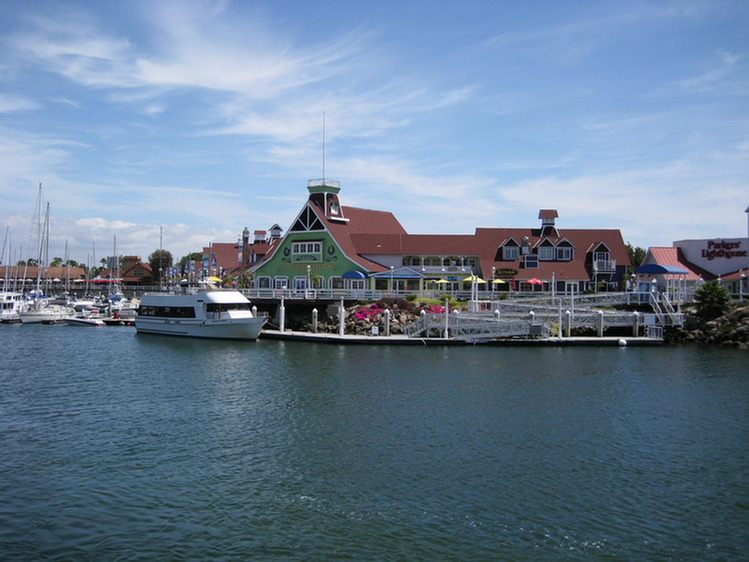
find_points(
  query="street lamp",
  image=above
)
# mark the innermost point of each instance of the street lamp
(308, 276)
(392, 269)
(741, 287)
(494, 270)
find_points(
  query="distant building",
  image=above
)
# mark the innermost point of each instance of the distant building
(222, 258)
(134, 272)
(19, 276)
(723, 259)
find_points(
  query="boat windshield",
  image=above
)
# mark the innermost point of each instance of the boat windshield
(225, 306)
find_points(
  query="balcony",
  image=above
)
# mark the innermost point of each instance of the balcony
(604, 266)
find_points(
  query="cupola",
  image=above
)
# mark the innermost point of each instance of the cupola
(324, 194)
(548, 218)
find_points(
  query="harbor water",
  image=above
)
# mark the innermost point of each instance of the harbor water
(119, 446)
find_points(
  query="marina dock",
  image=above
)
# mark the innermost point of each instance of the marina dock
(289, 335)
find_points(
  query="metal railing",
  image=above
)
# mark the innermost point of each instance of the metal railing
(475, 327)
(654, 332)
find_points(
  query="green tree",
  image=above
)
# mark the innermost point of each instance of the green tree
(159, 260)
(56, 262)
(636, 257)
(191, 257)
(712, 300)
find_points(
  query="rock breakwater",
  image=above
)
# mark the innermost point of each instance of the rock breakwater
(730, 329)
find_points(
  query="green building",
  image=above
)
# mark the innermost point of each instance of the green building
(317, 251)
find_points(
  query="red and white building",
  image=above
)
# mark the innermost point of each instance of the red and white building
(720, 259)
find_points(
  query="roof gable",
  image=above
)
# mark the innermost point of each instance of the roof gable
(307, 221)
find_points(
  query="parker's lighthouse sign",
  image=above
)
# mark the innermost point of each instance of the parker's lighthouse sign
(723, 249)
(719, 256)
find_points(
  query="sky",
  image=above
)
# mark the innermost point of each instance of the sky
(176, 124)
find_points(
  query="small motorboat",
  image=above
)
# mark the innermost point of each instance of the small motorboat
(84, 320)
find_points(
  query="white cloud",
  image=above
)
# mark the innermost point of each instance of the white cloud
(10, 103)
(713, 79)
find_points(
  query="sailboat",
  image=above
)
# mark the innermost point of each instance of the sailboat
(40, 310)
(11, 301)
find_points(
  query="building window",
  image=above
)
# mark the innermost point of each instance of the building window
(281, 282)
(510, 253)
(546, 253)
(263, 283)
(531, 262)
(564, 254)
(600, 256)
(306, 250)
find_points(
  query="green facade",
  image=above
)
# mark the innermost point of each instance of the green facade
(298, 249)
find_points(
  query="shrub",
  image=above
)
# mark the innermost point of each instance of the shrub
(712, 300)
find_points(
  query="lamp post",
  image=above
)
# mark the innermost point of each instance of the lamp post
(741, 287)
(494, 272)
(392, 269)
(308, 277)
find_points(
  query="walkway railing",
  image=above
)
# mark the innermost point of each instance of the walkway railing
(475, 327)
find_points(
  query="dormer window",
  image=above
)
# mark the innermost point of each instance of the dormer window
(509, 250)
(602, 261)
(510, 253)
(546, 253)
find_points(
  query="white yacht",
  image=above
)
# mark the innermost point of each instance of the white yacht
(12, 304)
(202, 311)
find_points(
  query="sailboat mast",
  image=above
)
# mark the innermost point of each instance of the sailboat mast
(38, 225)
(6, 242)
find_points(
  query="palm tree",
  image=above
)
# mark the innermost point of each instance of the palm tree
(712, 300)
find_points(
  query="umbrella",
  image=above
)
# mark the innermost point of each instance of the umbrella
(214, 279)
(534, 281)
(441, 281)
(473, 278)
(499, 282)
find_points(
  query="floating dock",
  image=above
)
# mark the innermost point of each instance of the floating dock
(289, 335)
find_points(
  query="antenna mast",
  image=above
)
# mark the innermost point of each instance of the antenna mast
(323, 146)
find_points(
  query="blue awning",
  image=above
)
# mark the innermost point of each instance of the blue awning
(661, 269)
(353, 274)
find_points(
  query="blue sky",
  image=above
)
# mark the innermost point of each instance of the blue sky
(198, 119)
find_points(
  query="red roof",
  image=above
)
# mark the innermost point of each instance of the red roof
(369, 234)
(673, 256)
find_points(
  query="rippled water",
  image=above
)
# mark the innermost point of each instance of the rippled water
(118, 446)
